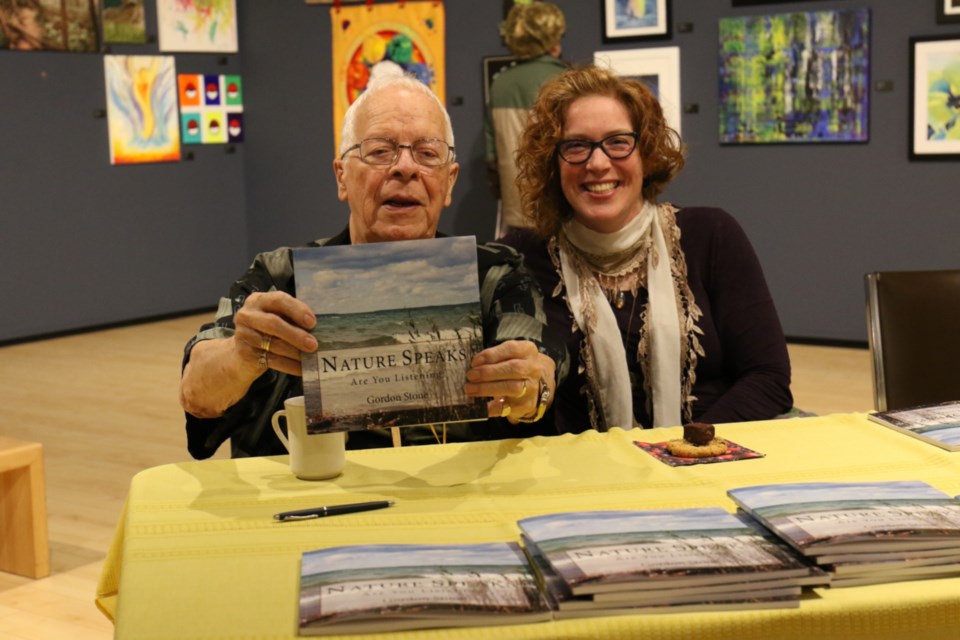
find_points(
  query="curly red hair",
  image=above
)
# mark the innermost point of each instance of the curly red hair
(660, 147)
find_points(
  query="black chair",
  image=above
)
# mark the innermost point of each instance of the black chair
(913, 322)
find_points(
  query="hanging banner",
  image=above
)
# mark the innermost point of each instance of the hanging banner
(408, 34)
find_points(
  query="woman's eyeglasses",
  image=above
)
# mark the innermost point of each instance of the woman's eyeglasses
(427, 152)
(617, 147)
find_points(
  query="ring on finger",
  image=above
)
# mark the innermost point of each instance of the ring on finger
(504, 408)
(523, 391)
(262, 361)
(265, 342)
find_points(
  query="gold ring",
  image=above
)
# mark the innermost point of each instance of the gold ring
(504, 408)
(265, 343)
(523, 391)
(263, 359)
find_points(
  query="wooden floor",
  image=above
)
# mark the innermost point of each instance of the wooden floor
(104, 405)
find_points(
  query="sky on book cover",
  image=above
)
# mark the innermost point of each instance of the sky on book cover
(761, 496)
(396, 275)
(559, 525)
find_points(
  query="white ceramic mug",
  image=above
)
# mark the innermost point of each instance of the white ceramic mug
(313, 456)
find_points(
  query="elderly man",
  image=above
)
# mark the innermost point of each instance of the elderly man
(396, 172)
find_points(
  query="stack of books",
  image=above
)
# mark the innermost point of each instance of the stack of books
(374, 588)
(936, 424)
(619, 562)
(863, 533)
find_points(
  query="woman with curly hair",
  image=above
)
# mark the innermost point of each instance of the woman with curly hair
(667, 314)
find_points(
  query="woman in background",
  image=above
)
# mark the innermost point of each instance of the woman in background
(667, 314)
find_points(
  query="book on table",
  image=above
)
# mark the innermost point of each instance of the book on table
(397, 326)
(937, 424)
(374, 588)
(862, 532)
(603, 562)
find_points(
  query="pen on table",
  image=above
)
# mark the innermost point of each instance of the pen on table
(333, 510)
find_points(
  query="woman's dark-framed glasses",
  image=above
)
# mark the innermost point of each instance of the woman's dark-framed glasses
(427, 152)
(617, 147)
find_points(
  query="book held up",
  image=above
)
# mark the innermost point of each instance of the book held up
(397, 326)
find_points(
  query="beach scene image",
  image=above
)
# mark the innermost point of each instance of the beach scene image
(398, 324)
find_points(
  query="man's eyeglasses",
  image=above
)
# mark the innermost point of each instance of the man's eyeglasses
(617, 147)
(427, 152)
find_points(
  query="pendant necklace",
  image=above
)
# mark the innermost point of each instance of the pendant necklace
(613, 287)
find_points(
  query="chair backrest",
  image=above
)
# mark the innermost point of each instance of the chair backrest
(913, 322)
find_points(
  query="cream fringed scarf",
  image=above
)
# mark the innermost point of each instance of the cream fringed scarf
(668, 346)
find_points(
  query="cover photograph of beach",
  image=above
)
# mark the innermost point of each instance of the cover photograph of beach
(398, 324)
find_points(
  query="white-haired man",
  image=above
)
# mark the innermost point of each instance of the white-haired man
(396, 171)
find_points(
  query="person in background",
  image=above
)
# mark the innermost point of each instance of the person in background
(667, 313)
(532, 33)
(396, 171)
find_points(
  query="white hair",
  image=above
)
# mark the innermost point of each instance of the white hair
(384, 75)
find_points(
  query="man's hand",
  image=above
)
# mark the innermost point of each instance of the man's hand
(510, 373)
(270, 331)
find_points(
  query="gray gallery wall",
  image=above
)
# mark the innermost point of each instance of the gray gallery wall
(85, 244)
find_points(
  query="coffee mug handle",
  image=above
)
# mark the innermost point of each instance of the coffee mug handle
(275, 421)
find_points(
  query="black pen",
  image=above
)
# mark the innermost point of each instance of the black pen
(333, 510)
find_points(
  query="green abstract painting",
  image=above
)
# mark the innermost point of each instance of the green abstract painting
(795, 77)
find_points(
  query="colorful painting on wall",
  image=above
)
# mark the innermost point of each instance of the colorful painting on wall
(635, 20)
(795, 77)
(935, 107)
(123, 21)
(49, 25)
(409, 34)
(197, 25)
(142, 109)
(211, 108)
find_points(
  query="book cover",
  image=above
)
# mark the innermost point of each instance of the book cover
(371, 588)
(820, 518)
(397, 326)
(606, 551)
(937, 424)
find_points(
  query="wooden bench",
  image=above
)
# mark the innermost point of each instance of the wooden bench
(24, 548)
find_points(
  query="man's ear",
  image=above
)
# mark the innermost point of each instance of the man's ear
(451, 180)
(338, 171)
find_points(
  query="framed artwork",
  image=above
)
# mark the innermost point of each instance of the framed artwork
(211, 108)
(124, 22)
(948, 11)
(658, 68)
(209, 26)
(625, 20)
(50, 25)
(142, 109)
(369, 38)
(492, 65)
(935, 107)
(795, 77)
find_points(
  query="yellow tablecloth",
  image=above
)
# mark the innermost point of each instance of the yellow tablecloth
(197, 553)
